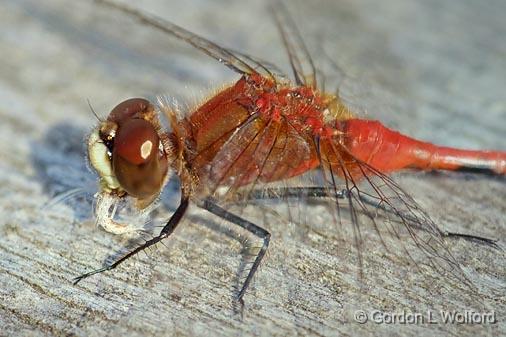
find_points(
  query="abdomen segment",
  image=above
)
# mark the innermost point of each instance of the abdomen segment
(388, 150)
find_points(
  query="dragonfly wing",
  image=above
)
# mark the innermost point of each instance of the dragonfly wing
(256, 153)
(394, 215)
(238, 62)
(303, 67)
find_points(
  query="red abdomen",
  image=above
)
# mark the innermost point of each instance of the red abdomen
(388, 150)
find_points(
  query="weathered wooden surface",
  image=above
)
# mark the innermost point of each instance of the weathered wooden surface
(436, 69)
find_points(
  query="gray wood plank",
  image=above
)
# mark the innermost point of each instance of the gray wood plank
(433, 69)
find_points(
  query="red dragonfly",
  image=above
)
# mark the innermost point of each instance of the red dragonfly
(265, 129)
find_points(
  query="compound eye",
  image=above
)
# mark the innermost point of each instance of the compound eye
(131, 108)
(138, 162)
(136, 141)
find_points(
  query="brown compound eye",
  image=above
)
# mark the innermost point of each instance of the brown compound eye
(130, 108)
(136, 140)
(138, 162)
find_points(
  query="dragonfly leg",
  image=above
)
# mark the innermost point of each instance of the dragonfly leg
(263, 234)
(295, 192)
(320, 192)
(165, 232)
(474, 238)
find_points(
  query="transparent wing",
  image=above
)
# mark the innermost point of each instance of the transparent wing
(255, 153)
(393, 214)
(301, 62)
(321, 72)
(238, 62)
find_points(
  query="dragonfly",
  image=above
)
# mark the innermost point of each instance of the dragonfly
(251, 138)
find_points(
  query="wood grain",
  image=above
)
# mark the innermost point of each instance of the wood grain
(434, 69)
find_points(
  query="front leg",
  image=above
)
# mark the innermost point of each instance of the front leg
(165, 232)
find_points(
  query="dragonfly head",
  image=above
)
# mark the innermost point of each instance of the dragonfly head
(128, 152)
